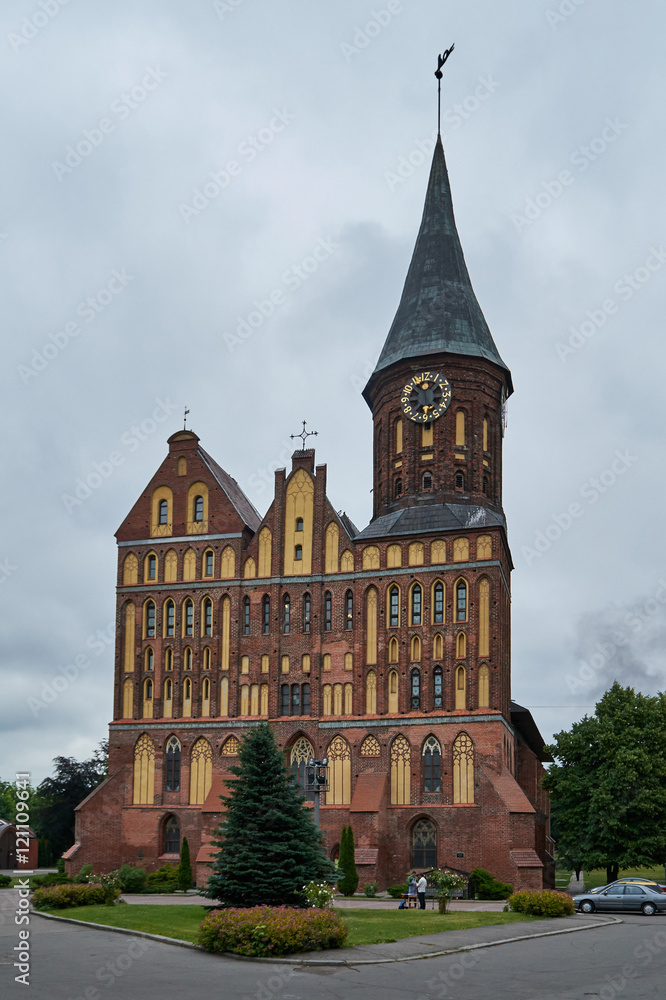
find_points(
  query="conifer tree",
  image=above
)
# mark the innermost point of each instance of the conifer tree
(269, 847)
(348, 884)
(184, 868)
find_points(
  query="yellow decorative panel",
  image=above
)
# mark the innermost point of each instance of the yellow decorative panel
(415, 649)
(326, 699)
(484, 547)
(393, 556)
(182, 467)
(393, 650)
(339, 764)
(463, 769)
(371, 626)
(347, 562)
(130, 570)
(370, 747)
(144, 771)
(265, 552)
(461, 679)
(398, 437)
(349, 699)
(284, 665)
(393, 691)
(299, 502)
(254, 699)
(426, 435)
(263, 708)
(484, 686)
(460, 428)
(205, 698)
(245, 699)
(370, 557)
(428, 457)
(158, 529)
(332, 548)
(130, 637)
(227, 563)
(190, 565)
(187, 698)
(461, 645)
(147, 699)
(231, 747)
(461, 550)
(438, 551)
(401, 772)
(226, 624)
(170, 567)
(128, 699)
(437, 647)
(349, 661)
(265, 663)
(327, 661)
(485, 434)
(337, 699)
(197, 526)
(305, 663)
(245, 664)
(249, 569)
(201, 771)
(416, 554)
(370, 696)
(224, 697)
(484, 617)
(167, 700)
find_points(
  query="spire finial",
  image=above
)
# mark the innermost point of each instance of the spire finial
(185, 419)
(304, 435)
(438, 73)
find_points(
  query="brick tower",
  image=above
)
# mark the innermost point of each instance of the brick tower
(386, 650)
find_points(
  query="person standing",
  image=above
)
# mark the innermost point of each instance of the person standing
(421, 886)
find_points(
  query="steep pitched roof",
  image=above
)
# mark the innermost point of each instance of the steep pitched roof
(438, 311)
(243, 506)
(431, 517)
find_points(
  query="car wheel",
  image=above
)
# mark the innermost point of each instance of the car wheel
(648, 909)
(587, 906)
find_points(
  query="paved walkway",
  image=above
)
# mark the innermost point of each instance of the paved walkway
(343, 903)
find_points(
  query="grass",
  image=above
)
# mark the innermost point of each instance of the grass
(598, 876)
(364, 926)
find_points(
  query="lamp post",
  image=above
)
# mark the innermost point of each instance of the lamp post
(316, 780)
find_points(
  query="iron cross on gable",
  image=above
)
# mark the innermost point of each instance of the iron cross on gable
(304, 435)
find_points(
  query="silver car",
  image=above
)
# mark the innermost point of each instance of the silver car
(625, 897)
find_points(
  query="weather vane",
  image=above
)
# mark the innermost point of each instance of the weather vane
(185, 419)
(438, 73)
(304, 435)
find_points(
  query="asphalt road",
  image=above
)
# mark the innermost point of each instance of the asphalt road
(69, 962)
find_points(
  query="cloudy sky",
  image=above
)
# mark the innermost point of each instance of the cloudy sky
(167, 168)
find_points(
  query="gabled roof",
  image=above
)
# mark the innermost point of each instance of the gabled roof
(438, 311)
(242, 505)
(432, 517)
(521, 719)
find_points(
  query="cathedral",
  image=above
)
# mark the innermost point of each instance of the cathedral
(386, 650)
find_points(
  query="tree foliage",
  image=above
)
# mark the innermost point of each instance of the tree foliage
(185, 868)
(347, 863)
(269, 847)
(608, 785)
(52, 814)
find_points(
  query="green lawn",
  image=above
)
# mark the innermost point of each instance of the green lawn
(598, 876)
(365, 926)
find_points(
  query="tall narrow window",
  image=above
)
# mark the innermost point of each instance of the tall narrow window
(188, 618)
(461, 683)
(167, 701)
(246, 616)
(266, 615)
(151, 567)
(460, 481)
(426, 482)
(187, 658)
(198, 508)
(173, 764)
(438, 688)
(371, 626)
(201, 771)
(128, 699)
(299, 524)
(164, 512)
(438, 603)
(144, 771)
(485, 434)
(393, 702)
(339, 758)
(424, 844)
(170, 619)
(298, 553)
(431, 761)
(205, 661)
(284, 699)
(460, 429)
(207, 616)
(393, 650)
(461, 646)
(394, 607)
(416, 603)
(397, 489)
(148, 699)
(461, 601)
(168, 659)
(328, 611)
(172, 835)
(437, 647)
(150, 620)
(286, 614)
(209, 563)
(349, 609)
(305, 699)
(205, 698)
(416, 689)
(149, 661)
(306, 612)
(295, 699)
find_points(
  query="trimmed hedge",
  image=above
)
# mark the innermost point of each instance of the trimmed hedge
(271, 931)
(5, 881)
(397, 891)
(59, 897)
(486, 886)
(546, 903)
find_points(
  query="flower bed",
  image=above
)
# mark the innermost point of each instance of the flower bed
(271, 931)
(546, 903)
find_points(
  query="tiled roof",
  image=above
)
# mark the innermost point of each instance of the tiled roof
(526, 858)
(241, 503)
(432, 517)
(510, 791)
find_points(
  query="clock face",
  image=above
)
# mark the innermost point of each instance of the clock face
(425, 397)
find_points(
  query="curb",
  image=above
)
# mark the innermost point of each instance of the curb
(609, 922)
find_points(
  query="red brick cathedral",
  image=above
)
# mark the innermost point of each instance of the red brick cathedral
(386, 650)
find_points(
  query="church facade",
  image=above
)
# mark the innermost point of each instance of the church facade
(386, 650)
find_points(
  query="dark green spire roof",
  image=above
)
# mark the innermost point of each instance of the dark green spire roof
(438, 311)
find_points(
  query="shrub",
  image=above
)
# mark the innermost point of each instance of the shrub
(348, 884)
(318, 894)
(60, 865)
(5, 881)
(271, 931)
(397, 891)
(51, 878)
(58, 897)
(81, 878)
(486, 886)
(165, 879)
(184, 868)
(132, 879)
(545, 903)
(370, 890)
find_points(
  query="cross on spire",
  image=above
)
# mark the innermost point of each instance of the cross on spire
(185, 419)
(304, 435)
(438, 73)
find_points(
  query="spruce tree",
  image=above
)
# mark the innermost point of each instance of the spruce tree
(348, 884)
(269, 847)
(184, 868)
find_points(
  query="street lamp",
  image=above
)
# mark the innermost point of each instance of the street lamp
(316, 780)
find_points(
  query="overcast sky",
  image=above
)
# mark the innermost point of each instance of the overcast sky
(130, 275)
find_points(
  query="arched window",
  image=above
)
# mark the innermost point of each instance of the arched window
(305, 699)
(326, 661)
(150, 568)
(485, 485)
(198, 508)
(461, 550)
(401, 772)
(307, 606)
(168, 659)
(438, 603)
(144, 771)
(286, 614)
(397, 489)
(265, 552)
(263, 699)
(424, 844)
(398, 437)
(301, 752)
(266, 614)
(415, 649)
(173, 764)
(328, 611)
(485, 434)
(150, 620)
(187, 658)
(416, 554)
(339, 764)
(393, 691)
(245, 664)
(188, 617)
(484, 547)
(370, 747)
(463, 769)
(208, 563)
(460, 481)
(461, 646)
(438, 551)
(187, 698)
(416, 688)
(246, 616)
(431, 761)
(461, 684)
(169, 619)
(438, 688)
(305, 663)
(190, 565)
(393, 650)
(299, 524)
(171, 838)
(284, 664)
(230, 747)
(205, 697)
(224, 696)
(371, 693)
(249, 569)
(415, 604)
(349, 609)
(298, 552)
(347, 562)
(394, 606)
(349, 661)
(201, 771)
(167, 699)
(484, 686)
(207, 616)
(426, 481)
(149, 659)
(461, 601)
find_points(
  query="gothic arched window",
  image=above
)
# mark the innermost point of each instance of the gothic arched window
(432, 753)
(424, 844)
(171, 839)
(173, 765)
